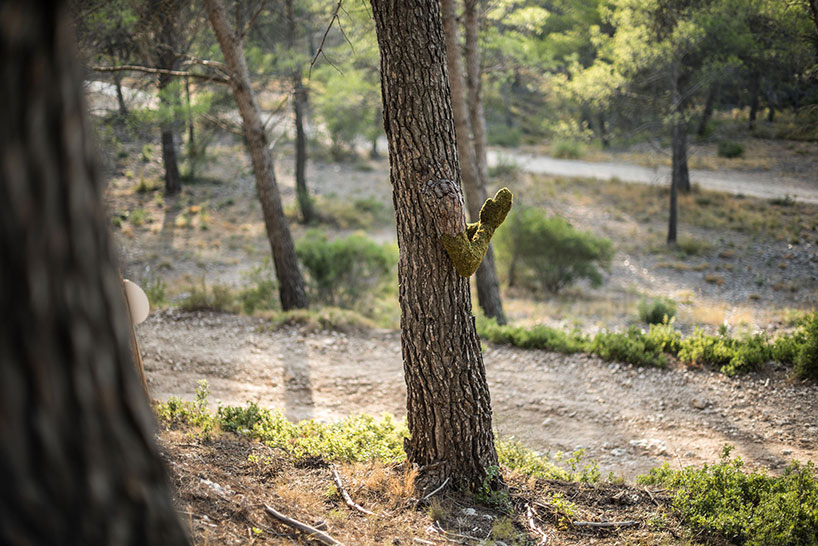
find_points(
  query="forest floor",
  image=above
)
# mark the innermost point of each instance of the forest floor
(628, 419)
(758, 274)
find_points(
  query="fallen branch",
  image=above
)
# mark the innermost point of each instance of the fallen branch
(347, 498)
(435, 491)
(605, 524)
(532, 524)
(320, 536)
(153, 70)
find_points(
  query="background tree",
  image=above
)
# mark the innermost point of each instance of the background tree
(78, 461)
(474, 183)
(291, 284)
(448, 406)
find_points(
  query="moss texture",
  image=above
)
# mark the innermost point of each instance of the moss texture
(468, 248)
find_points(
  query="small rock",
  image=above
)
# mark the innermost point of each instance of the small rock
(469, 512)
(786, 452)
(698, 403)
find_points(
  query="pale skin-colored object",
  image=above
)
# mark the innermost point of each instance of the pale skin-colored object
(137, 301)
(468, 248)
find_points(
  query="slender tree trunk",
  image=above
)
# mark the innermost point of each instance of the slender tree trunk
(169, 99)
(770, 106)
(813, 10)
(448, 406)
(474, 181)
(191, 135)
(291, 285)
(681, 176)
(754, 93)
(707, 113)
(299, 105)
(120, 98)
(78, 461)
(674, 189)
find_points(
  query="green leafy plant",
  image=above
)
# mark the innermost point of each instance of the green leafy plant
(261, 289)
(535, 337)
(632, 346)
(750, 508)
(155, 289)
(346, 271)
(493, 492)
(177, 411)
(201, 297)
(657, 311)
(731, 355)
(550, 253)
(806, 361)
(567, 149)
(730, 149)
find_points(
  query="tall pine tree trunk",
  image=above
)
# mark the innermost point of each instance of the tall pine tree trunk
(78, 461)
(448, 406)
(680, 174)
(299, 105)
(291, 284)
(474, 182)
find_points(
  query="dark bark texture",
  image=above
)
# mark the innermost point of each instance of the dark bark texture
(78, 462)
(448, 406)
(299, 107)
(474, 181)
(291, 284)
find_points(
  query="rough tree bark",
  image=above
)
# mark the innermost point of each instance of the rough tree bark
(291, 284)
(448, 406)
(709, 104)
(474, 182)
(78, 462)
(299, 105)
(679, 178)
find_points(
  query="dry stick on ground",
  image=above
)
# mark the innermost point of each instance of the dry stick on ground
(320, 536)
(426, 497)
(532, 524)
(605, 524)
(347, 498)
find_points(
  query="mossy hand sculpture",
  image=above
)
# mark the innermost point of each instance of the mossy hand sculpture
(468, 248)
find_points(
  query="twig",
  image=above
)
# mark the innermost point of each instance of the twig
(435, 491)
(605, 524)
(153, 70)
(439, 529)
(532, 524)
(324, 39)
(656, 502)
(347, 498)
(249, 25)
(421, 541)
(320, 536)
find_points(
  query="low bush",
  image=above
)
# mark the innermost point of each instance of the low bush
(550, 253)
(201, 297)
(722, 500)
(730, 355)
(260, 292)
(730, 149)
(346, 271)
(632, 346)
(538, 336)
(657, 311)
(806, 361)
(567, 149)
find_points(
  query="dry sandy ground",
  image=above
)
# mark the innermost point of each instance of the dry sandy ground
(629, 419)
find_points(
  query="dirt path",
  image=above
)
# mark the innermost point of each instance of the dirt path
(629, 419)
(765, 185)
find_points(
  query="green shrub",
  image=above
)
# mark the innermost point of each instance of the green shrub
(632, 346)
(806, 362)
(785, 348)
(155, 290)
(657, 311)
(551, 253)
(567, 149)
(209, 298)
(177, 411)
(753, 509)
(261, 291)
(731, 355)
(345, 271)
(730, 149)
(538, 336)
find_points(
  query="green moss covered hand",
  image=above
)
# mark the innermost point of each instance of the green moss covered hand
(467, 249)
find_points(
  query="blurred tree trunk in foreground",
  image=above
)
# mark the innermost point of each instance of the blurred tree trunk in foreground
(448, 406)
(291, 284)
(78, 463)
